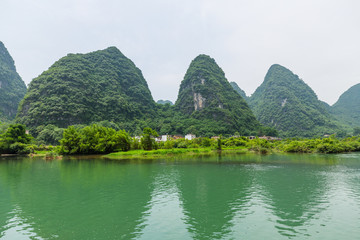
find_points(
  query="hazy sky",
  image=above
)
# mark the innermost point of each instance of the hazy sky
(319, 40)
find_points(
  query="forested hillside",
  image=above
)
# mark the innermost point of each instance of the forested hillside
(210, 103)
(12, 87)
(239, 90)
(347, 108)
(287, 103)
(86, 88)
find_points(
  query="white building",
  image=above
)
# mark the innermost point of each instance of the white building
(164, 138)
(190, 136)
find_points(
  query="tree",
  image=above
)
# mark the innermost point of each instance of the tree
(219, 143)
(147, 139)
(16, 133)
(71, 140)
(122, 140)
(94, 139)
(15, 139)
(50, 134)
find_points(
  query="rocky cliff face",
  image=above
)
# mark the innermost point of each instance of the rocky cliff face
(12, 87)
(206, 94)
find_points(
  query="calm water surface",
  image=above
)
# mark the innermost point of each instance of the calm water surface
(228, 197)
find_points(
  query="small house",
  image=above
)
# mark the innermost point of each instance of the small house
(165, 138)
(190, 136)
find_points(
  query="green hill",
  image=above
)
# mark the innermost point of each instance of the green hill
(12, 87)
(239, 90)
(347, 108)
(85, 88)
(210, 103)
(287, 103)
(163, 102)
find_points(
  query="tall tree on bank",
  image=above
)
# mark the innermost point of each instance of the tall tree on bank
(12, 87)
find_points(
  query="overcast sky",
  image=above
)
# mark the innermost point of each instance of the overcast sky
(319, 40)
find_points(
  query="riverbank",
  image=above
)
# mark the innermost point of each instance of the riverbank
(159, 153)
(203, 146)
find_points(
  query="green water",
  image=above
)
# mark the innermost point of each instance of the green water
(228, 197)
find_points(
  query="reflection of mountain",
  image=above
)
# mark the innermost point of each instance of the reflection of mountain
(209, 195)
(84, 199)
(294, 194)
(165, 217)
(5, 200)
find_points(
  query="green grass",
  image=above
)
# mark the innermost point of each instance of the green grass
(172, 152)
(39, 153)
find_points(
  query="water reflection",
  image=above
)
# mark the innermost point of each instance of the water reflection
(232, 197)
(295, 194)
(165, 208)
(82, 200)
(210, 197)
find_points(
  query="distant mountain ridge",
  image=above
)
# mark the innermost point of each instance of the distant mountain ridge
(286, 102)
(164, 102)
(12, 87)
(239, 90)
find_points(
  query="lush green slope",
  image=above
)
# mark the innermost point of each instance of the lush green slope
(12, 87)
(286, 102)
(85, 88)
(209, 102)
(239, 90)
(347, 108)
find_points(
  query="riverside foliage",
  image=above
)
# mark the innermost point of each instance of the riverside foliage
(15, 140)
(93, 139)
(98, 139)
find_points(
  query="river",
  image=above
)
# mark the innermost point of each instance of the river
(220, 197)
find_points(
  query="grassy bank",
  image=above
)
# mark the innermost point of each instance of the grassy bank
(172, 152)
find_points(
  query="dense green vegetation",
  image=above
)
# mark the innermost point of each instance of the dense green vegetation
(86, 88)
(12, 87)
(107, 89)
(239, 90)
(15, 140)
(97, 139)
(93, 139)
(105, 86)
(347, 108)
(240, 145)
(208, 102)
(287, 103)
